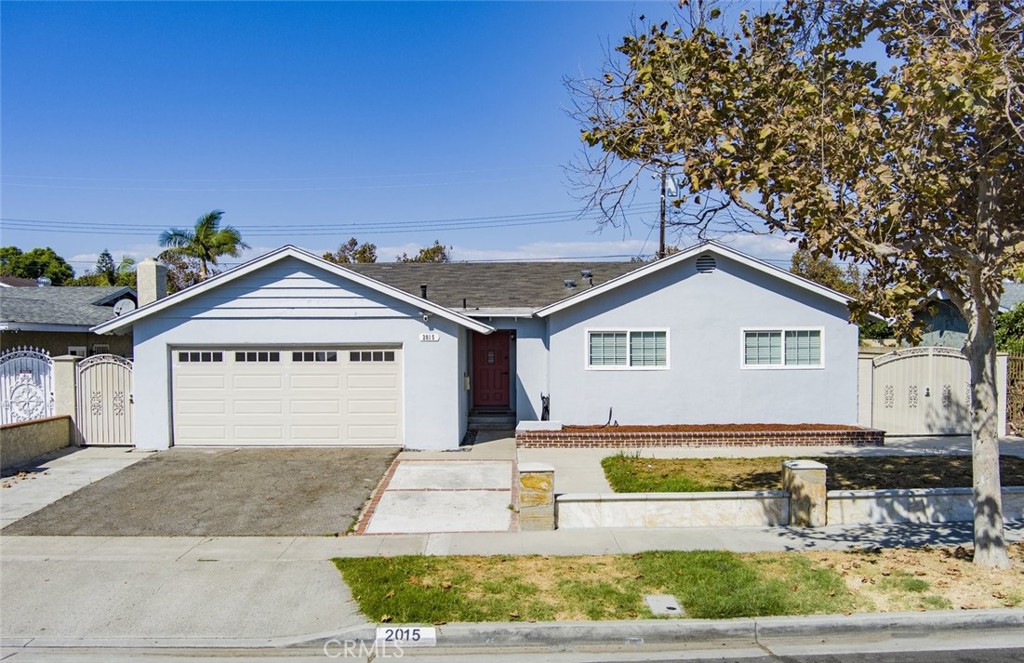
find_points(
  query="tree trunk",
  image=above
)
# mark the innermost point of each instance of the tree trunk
(980, 348)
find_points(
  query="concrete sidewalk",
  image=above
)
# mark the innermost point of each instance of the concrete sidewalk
(597, 541)
(261, 591)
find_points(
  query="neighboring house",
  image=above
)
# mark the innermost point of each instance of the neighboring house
(945, 327)
(16, 282)
(59, 319)
(291, 349)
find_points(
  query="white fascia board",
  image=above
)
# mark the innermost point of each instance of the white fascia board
(704, 247)
(39, 327)
(288, 251)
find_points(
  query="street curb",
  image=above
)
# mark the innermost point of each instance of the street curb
(633, 632)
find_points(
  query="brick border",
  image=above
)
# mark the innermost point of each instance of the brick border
(556, 439)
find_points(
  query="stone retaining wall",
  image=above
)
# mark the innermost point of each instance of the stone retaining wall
(937, 505)
(23, 441)
(759, 508)
(568, 439)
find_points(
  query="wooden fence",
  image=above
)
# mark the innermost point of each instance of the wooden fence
(1015, 393)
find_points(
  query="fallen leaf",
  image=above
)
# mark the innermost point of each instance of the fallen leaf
(385, 619)
(446, 585)
(390, 595)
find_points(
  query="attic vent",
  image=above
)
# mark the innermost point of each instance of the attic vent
(569, 283)
(706, 264)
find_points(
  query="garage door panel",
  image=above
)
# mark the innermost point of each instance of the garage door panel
(201, 381)
(372, 434)
(208, 406)
(373, 406)
(253, 432)
(375, 381)
(310, 434)
(314, 381)
(310, 407)
(257, 381)
(208, 432)
(280, 396)
(257, 407)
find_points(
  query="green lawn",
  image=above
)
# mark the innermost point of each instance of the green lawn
(709, 584)
(633, 474)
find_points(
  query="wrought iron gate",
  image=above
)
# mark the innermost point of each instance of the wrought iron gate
(104, 400)
(26, 385)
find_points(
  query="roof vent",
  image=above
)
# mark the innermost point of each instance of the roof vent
(706, 264)
(586, 273)
(43, 282)
(570, 283)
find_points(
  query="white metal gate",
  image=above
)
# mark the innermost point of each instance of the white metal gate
(104, 400)
(26, 385)
(922, 391)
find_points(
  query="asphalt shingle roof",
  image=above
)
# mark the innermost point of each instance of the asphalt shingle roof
(493, 285)
(67, 305)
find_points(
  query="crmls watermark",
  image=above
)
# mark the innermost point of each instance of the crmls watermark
(335, 648)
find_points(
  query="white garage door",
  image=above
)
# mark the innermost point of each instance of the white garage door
(287, 396)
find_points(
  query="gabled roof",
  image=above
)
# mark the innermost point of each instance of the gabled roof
(494, 286)
(685, 254)
(65, 306)
(282, 253)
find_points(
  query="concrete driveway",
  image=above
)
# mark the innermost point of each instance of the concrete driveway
(224, 492)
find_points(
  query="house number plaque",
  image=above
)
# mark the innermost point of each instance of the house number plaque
(430, 337)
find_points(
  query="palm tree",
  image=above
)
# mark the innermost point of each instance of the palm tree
(205, 242)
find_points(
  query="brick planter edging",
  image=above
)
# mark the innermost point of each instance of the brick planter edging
(861, 437)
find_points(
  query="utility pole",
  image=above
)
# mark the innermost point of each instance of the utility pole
(661, 222)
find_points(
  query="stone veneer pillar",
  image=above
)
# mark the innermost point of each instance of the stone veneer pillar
(804, 480)
(65, 399)
(536, 497)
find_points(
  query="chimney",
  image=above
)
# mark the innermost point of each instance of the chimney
(152, 281)
(423, 290)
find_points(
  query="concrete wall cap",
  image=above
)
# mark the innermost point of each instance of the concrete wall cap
(536, 467)
(804, 465)
(538, 425)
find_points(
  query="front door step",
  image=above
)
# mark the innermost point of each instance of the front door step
(492, 421)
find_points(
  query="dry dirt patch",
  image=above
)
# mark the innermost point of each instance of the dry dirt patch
(931, 578)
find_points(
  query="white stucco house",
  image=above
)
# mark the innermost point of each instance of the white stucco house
(291, 349)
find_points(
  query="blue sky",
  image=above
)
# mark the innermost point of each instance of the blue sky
(399, 123)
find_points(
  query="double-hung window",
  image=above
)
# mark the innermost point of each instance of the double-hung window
(627, 349)
(782, 348)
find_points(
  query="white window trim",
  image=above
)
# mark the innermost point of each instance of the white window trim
(78, 351)
(627, 331)
(783, 366)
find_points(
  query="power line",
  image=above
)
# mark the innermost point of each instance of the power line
(312, 230)
(278, 179)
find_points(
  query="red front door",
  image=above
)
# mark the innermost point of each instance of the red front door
(491, 370)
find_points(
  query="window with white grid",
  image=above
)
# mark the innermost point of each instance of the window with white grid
(636, 349)
(782, 347)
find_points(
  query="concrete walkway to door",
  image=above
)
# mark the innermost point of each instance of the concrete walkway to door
(469, 490)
